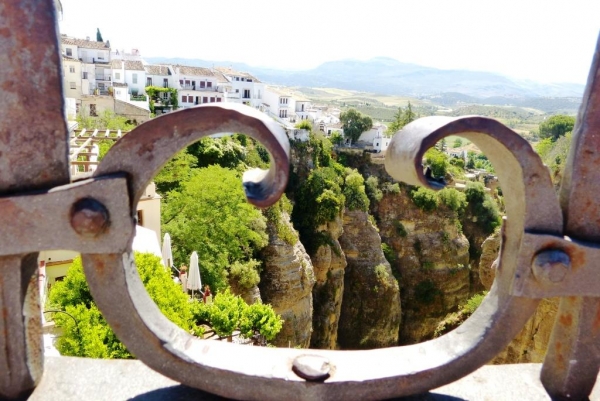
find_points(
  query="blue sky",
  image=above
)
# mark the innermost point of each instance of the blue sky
(546, 41)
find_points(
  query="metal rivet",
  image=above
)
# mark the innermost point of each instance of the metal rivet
(311, 367)
(551, 266)
(89, 218)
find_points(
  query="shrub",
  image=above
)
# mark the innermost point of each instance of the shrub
(425, 199)
(426, 292)
(437, 161)
(453, 199)
(354, 192)
(390, 188)
(372, 189)
(483, 206)
(245, 273)
(389, 253)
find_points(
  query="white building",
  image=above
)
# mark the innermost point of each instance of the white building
(377, 131)
(73, 84)
(95, 59)
(242, 87)
(196, 85)
(280, 105)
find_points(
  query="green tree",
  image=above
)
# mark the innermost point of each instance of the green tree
(177, 171)
(99, 36)
(354, 123)
(354, 191)
(402, 118)
(210, 215)
(87, 333)
(556, 126)
(337, 138)
(304, 124)
(437, 161)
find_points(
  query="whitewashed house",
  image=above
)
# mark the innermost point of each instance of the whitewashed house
(196, 85)
(73, 84)
(280, 105)
(95, 59)
(303, 108)
(381, 144)
(377, 131)
(242, 87)
(160, 75)
(135, 77)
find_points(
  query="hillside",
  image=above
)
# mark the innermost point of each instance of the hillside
(389, 76)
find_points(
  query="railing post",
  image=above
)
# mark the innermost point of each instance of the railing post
(572, 362)
(33, 155)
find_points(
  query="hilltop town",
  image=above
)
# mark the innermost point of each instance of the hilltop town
(97, 77)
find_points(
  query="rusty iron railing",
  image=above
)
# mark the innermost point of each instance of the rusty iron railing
(549, 245)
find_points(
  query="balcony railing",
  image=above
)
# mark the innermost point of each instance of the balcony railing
(550, 248)
(103, 78)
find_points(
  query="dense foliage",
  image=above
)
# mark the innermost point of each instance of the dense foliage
(483, 206)
(86, 332)
(229, 313)
(210, 215)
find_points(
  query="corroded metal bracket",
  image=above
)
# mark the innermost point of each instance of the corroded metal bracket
(537, 258)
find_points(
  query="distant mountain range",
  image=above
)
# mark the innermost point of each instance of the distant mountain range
(388, 76)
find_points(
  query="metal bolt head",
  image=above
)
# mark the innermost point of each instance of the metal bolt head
(89, 218)
(311, 367)
(551, 266)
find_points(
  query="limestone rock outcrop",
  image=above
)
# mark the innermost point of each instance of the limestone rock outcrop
(431, 255)
(329, 263)
(370, 314)
(286, 283)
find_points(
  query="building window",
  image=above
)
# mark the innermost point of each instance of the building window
(134, 78)
(85, 75)
(183, 99)
(71, 69)
(117, 75)
(93, 110)
(218, 99)
(283, 100)
(209, 84)
(282, 113)
(69, 52)
(212, 99)
(165, 83)
(148, 81)
(204, 99)
(73, 85)
(246, 93)
(202, 84)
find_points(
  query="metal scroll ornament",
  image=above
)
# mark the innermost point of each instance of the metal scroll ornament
(549, 247)
(533, 238)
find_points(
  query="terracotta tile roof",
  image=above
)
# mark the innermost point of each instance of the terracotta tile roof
(196, 71)
(67, 58)
(134, 65)
(117, 64)
(157, 70)
(220, 77)
(233, 73)
(86, 44)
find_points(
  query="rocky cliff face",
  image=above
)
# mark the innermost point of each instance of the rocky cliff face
(431, 256)
(329, 263)
(286, 283)
(370, 313)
